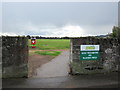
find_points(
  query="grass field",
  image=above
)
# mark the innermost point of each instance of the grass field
(51, 44)
(51, 53)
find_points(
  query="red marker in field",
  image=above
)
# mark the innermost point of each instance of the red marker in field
(33, 42)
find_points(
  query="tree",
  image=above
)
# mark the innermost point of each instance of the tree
(116, 32)
(28, 36)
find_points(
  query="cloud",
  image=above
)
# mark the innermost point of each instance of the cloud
(69, 30)
(50, 30)
(98, 29)
(55, 31)
(59, 19)
(8, 34)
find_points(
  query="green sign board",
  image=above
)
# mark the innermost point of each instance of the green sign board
(89, 52)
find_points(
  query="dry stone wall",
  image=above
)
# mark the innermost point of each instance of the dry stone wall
(109, 56)
(14, 57)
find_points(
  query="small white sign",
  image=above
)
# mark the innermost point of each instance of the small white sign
(89, 47)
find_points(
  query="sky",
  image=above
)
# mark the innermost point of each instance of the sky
(119, 14)
(59, 19)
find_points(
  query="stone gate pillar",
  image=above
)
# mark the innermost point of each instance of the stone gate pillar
(14, 57)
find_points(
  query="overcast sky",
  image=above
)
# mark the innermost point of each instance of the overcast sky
(59, 18)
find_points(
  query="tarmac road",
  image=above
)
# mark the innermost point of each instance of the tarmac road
(109, 80)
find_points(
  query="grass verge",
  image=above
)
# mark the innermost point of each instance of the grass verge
(51, 53)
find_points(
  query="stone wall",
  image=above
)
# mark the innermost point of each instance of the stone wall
(109, 56)
(14, 57)
(0, 57)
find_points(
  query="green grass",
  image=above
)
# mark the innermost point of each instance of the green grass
(51, 44)
(51, 53)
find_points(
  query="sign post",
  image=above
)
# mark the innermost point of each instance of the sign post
(89, 52)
